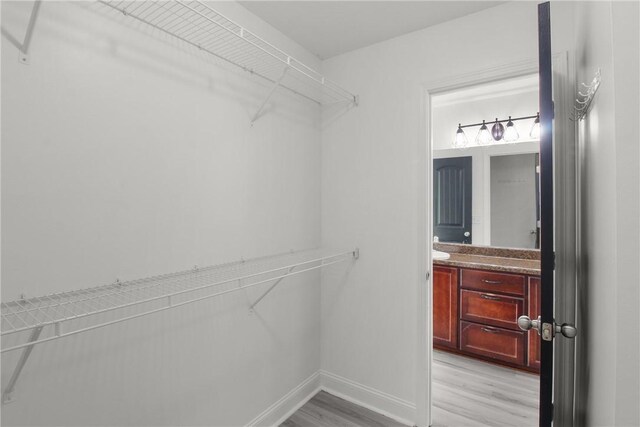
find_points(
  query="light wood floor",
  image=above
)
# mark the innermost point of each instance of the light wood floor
(466, 392)
(326, 410)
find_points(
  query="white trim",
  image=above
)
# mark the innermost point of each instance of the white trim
(378, 401)
(277, 413)
(424, 339)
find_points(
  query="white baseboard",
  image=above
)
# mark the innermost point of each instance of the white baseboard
(383, 403)
(365, 396)
(277, 413)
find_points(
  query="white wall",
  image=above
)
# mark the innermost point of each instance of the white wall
(607, 38)
(370, 184)
(124, 155)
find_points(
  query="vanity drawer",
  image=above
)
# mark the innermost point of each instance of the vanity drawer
(490, 308)
(490, 281)
(495, 343)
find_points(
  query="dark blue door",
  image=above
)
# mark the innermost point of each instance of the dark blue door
(452, 199)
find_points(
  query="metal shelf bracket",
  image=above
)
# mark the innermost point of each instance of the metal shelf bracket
(272, 287)
(24, 48)
(275, 86)
(7, 394)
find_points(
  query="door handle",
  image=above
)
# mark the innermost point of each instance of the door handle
(548, 331)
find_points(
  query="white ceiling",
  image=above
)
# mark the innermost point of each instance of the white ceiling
(329, 28)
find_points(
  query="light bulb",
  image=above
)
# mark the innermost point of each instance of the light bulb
(510, 133)
(497, 130)
(460, 140)
(535, 128)
(483, 137)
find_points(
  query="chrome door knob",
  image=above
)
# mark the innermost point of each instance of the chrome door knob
(567, 330)
(525, 323)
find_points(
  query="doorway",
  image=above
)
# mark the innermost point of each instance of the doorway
(565, 233)
(475, 354)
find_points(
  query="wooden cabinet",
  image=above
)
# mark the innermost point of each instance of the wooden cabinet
(491, 281)
(492, 309)
(495, 343)
(445, 307)
(533, 311)
(477, 315)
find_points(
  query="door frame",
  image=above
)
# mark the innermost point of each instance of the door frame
(565, 234)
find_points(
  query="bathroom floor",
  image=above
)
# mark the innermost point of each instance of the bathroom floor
(468, 392)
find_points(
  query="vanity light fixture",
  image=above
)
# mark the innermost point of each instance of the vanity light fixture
(535, 128)
(498, 131)
(511, 133)
(460, 140)
(483, 137)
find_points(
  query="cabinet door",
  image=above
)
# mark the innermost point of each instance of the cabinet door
(533, 310)
(491, 309)
(495, 343)
(445, 307)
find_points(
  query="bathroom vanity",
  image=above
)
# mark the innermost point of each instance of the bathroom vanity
(478, 294)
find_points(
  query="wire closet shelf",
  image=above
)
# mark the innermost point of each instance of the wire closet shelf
(36, 320)
(199, 25)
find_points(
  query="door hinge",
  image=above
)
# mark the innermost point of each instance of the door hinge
(428, 275)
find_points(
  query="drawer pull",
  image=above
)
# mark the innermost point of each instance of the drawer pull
(492, 282)
(490, 297)
(490, 330)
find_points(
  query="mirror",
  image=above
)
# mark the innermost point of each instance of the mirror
(487, 196)
(514, 201)
(487, 192)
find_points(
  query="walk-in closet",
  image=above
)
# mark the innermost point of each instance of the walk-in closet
(221, 213)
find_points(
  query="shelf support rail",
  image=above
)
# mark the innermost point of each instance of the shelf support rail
(171, 303)
(355, 254)
(7, 394)
(275, 86)
(36, 330)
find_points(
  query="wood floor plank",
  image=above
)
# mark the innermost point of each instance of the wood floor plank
(469, 392)
(466, 393)
(326, 410)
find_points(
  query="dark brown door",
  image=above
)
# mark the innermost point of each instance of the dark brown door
(445, 307)
(452, 199)
(533, 311)
(547, 256)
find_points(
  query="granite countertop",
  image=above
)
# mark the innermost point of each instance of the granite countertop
(487, 258)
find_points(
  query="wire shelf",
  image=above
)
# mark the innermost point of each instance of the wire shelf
(199, 25)
(58, 315)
